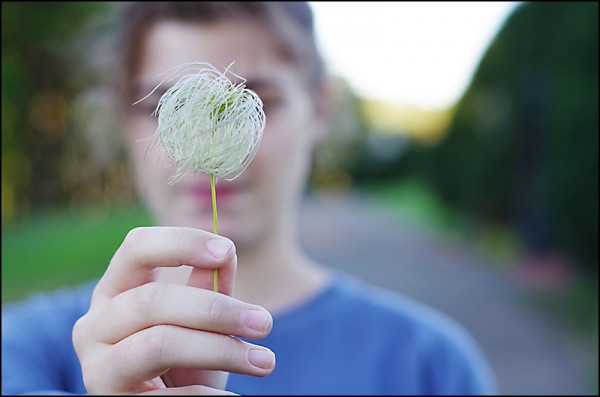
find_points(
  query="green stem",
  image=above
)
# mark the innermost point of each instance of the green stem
(213, 193)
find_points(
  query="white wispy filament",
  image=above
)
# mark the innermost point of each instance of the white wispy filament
(207, 123)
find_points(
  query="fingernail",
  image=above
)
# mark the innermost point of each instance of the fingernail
(258, 320)
(218, 247)
(261, 358)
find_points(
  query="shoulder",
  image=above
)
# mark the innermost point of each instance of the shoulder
(447, 353)
(394, 309)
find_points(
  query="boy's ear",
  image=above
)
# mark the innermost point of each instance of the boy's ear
(324, 97)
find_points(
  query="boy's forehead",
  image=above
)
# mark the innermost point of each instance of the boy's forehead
(168, 44)
(175, 42)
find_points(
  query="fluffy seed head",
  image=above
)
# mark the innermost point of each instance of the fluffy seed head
(207, 123)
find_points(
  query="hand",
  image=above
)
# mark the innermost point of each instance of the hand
(144, 336)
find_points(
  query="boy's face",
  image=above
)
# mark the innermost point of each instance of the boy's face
(263, 197)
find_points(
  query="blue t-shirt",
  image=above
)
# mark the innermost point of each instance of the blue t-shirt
(351, 338)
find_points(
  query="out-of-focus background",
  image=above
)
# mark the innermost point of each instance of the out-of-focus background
(463, 151)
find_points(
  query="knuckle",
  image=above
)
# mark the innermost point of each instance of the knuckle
(227, 348)
(215, 309)
(134, 237)
(182, 239)
(78, 333)
(155, 344)
(223, 313)
(145, 298)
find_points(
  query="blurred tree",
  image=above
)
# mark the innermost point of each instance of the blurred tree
(45, 161)
(336, 158)
(523, 145)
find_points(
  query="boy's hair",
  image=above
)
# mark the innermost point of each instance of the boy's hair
(291, 23)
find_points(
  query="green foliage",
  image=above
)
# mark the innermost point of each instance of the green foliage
(523, 145)
(338, 155)
(43, 157)
(63, 247)
(59, 18)
(414, 201)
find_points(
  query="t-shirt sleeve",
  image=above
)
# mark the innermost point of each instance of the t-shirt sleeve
(37, 351)
(444, 358)
(456, 365)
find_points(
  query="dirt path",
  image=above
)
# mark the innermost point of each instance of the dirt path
(529, 352)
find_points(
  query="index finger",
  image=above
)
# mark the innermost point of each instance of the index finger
(146, 249)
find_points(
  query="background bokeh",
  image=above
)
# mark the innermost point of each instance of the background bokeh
(511, 169)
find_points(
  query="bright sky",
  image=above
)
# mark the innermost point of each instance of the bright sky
(418, 53)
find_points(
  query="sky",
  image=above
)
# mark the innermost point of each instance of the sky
(407, 53)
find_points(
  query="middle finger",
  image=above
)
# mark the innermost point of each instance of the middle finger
(164, 303)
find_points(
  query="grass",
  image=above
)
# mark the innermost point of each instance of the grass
(62, 247)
